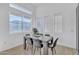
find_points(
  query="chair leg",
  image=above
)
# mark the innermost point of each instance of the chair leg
(24, 44)
(52, 51)
(27, 47)
(55, 50)
(34, 50)
(40, 51)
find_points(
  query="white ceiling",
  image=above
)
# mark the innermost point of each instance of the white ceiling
(32, 5)
(46, 4)
(54, 4)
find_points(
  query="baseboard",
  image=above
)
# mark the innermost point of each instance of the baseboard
(66, 46)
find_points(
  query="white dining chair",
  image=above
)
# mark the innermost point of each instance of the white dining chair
(37, 44)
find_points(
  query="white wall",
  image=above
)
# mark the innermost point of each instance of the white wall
(68, 12)
(7, 40)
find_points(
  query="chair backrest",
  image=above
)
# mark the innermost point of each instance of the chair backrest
(47, 35)
(37, 42)
(27, 34)
(28, 39)
(50, 41)
(37, 36)
(40, 34)
(31, 41)
(55, 42)
(25, 38)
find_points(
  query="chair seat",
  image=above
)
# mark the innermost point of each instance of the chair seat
(50, 45)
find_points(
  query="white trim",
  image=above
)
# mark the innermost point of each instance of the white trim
(20, 8)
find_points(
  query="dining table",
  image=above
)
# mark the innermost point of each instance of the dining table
(44, 40)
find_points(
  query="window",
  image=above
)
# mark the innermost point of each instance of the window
(19, 19)
(19, 24)
(15, 23)
(26, 24)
